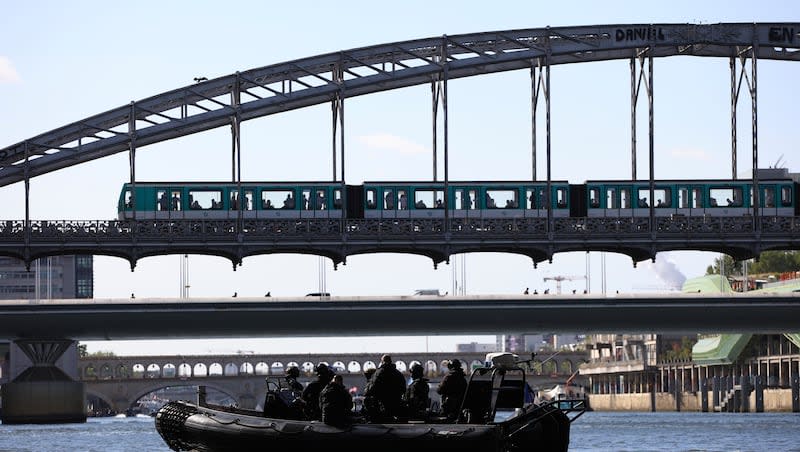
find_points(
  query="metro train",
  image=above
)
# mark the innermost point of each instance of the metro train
(465, 200)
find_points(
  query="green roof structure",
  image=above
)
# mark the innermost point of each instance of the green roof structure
(725, 348)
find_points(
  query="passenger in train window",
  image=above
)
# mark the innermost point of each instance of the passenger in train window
(467, 201)
(713, 202)
(234, 201)
(729, 201)
(288, 203)
(403, 202)
(490, 201)
(163, 203)
(370, 204)
(420, 205)
(660, 203)
(439, 204)
(320, 204)
(643, 202)
(388, 200)
(196, 205)
(532, 200)
(305, 205)
(268, 205)
(176, 202)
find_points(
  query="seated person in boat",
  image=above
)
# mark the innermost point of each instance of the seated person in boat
(292, 374)
(388, 387)
(452, 389)
(336, 403)
(417, 394)
(313, 390)
(372, 408)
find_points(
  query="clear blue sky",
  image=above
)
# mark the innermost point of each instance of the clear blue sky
(63, 61)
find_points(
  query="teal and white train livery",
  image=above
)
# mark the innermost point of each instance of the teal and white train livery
(465, 200)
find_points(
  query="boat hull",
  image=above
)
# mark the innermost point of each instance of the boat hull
(189, 427)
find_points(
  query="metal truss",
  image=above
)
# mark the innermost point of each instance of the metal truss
(336, 76)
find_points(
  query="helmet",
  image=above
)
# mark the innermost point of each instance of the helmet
(417, 370)
(293, 371)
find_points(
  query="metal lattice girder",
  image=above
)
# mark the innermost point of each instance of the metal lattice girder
(311, 81)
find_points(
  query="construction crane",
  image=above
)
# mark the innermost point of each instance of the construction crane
(560, 278)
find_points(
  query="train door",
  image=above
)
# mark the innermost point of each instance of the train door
(534, 207)
(611, 197)
(561, 201)
(769, 200)
(465, 202)
(688, 199)
(162, 204)
(175, 204)
(404, 203)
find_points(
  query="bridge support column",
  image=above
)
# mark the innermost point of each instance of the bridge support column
(41, 392)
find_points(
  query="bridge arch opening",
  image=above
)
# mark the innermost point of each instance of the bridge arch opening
(169, 371)
(246, 369)
(184, 370)
(215, 370)
(153, 371)
(262, 368)
(231, 370)
(200, 370)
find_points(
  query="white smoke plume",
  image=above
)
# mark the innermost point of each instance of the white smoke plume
(667, 272)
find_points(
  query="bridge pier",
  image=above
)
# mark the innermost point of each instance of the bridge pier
(44, 388)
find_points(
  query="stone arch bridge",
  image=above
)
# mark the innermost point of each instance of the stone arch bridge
(122, 381)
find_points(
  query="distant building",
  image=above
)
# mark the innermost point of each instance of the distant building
(49, 278)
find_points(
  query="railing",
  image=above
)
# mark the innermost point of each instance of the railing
(15, 229)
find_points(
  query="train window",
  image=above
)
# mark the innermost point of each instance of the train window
(697, 196)
(337, 198)
(625, 198)
(594, 198)
(611, 198)
(163, 201)
(306, 195)
(205, 199)
(371, 196)
(530, 198)
(684, 200)
(128, 199)
(465, 199)
(175, 200)
(428, 199)
(786, 195)
(402, 200)
(320, 201)
(277, 199)
(769, 196)
(561, 197)
(388, 199)
(248, 200)
(661, 195)
(502, 198)
(725, 196)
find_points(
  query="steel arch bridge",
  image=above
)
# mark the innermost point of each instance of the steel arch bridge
(334, 77)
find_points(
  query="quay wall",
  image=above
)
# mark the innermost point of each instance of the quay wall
(775, 400)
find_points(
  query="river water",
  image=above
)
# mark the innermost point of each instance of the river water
(593, 431)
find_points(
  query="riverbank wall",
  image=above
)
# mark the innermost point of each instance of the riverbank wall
(775, 400)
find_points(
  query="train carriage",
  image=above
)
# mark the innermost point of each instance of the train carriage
(484, 200)
(615, 198)
(220, 201)
(478, 200)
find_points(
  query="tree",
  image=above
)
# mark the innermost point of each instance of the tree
(776, 262)
(725, 263)
(769, 262)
